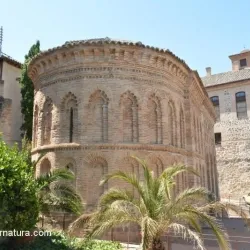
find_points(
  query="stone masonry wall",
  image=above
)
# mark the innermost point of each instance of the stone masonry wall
(233, 155)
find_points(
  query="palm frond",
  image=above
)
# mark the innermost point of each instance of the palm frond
(217, 229)
(55, 192)
(82, 221)
(113, 195)
(167, 178)
(110, 219)
(128, 178)
(220, 207)
(54, 175)
(192, 195)
(187, 234)
(148, 176)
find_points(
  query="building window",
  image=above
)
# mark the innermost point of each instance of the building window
(47, 121)
(71, 125)
(241, 105)
(69, 118)
(216, 103)
(217, 137)
(130, 124)
(35, 126)
(155, 119)
(45, 167)
(243, 62)
(98, 104)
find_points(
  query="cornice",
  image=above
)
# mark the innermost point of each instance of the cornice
(112, 53)
(233, 84)
(121, 146)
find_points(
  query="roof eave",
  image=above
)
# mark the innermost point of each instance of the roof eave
(225, 83)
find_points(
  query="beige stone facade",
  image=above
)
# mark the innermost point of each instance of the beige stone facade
(113, 99)
(10, 100)
(232, 129)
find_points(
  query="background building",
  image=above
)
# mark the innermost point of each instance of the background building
(10, 100)
(230, 94)
(99, 101)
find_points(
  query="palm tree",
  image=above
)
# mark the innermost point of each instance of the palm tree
(56, 193)
(157, 208)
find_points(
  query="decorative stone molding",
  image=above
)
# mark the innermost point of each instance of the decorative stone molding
(122, 51)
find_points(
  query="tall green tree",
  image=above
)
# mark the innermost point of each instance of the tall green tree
(155, 206)
(27, 91)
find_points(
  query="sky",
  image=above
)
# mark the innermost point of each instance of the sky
(203, 33)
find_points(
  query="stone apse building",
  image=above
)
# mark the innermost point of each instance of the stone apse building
(230, 94)
(10, 100)
(99, 101)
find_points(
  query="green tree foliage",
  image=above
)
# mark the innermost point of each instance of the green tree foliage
(27, 91)
(18, 199)
(157, 208)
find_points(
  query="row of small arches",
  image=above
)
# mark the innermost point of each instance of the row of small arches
(97, 167)
(99, 108)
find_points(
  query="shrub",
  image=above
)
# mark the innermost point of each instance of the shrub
(98, 245)
(60, 241)
(18, 201)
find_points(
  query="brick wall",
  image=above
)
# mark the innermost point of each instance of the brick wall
(126, 100)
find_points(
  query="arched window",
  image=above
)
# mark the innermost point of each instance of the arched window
(35, 126)
(156, 165)
(216, 103)
(45, 167)
(129, 117)
(155, 119)
(194, 134)
(172, 124)
(209, 174)
(47, 121)
(71, 125)
(69, 118)
(182, 129)
(241, 105)
(200, 137)
(98, 103)
(97, 169)
(70, 167)
(130, 166)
